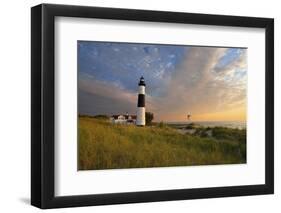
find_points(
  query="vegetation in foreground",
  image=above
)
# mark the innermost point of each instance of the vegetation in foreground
(103, 145)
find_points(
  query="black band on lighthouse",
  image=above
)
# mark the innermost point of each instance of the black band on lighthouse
(141, 83)
(141, 100)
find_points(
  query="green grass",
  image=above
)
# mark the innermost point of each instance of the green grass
(103, 145)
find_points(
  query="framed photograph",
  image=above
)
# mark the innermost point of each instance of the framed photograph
(136, 106)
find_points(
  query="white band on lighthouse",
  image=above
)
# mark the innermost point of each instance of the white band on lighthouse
(142, 90)
(141, 116)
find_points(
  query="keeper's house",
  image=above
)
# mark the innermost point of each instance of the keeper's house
(123, 119)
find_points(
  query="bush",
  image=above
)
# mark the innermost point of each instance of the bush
(148, 118)
(202, 132)
(190, 126)
(238, 135)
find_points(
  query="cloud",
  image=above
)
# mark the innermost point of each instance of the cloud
(107, 89)
(199, 86)
(203, 81)
(101, 60)
(98, 97)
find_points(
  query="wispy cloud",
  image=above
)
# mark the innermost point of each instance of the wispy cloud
(201, 80)
(199, 87)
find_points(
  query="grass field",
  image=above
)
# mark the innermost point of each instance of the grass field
(103, 145)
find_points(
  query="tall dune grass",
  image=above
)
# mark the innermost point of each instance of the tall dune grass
(103, 145)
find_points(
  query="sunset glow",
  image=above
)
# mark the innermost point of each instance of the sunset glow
(208, 82)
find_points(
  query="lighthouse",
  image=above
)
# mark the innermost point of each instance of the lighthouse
(141, 104)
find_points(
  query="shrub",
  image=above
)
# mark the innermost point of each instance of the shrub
(190, 126)
(148, 118)
(230, 134)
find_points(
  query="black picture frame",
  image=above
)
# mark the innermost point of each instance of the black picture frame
(43, 117)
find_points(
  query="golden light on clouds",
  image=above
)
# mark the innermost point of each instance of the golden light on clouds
(208, 82)
(238, 114)
(207, 92)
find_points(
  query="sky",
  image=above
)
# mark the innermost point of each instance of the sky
(208, 82)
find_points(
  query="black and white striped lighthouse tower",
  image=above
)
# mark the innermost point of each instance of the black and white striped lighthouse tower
(141, 104)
